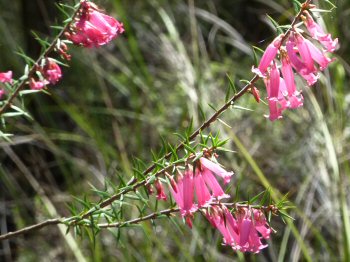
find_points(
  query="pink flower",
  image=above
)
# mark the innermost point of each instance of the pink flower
(295, 98)
(94, 28)
(160, 190)
(184, 196)
(276, 90)
(202, 192)
(268, 56)
(6, 77)
(317, 55)
(222, 219)
(243, 232)
(216, 169)
(317, 33)
(51, 71)
(37, 85)
(310, 76)
(2, 92)
(248, 228)
(304, 52)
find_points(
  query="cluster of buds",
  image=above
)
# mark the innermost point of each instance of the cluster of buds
(297, 54)
(48, 72)
(198, 190)
(92, 28)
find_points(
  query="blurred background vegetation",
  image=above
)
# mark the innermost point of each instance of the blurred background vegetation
(116, 102)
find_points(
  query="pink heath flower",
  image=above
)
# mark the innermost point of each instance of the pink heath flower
(160, 190)
(216, 169)
(248, 228)
(221, 218)
(276, 91)
(294, 97)
(310, 76)
(317, 55)
(93, 28)
(317, 33)
(183, 195)
(6, 77)
(38, 85)
(202, 192)
(51, 71)
(2, 92)
(304, 52)
(268, 56)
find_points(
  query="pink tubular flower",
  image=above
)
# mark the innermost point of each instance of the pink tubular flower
(202, 192)
(304, 52)
(216, 169)
(160, 190)
(51, 71)
(242, 233)
(37, 85)
(317, 33)
(248, 228)
(2, 92)
(299, 66)
(94, 28)
(294, 97)
(317, 55)
(184, 196)
(6, 77)
(277, 93)
(268, 56)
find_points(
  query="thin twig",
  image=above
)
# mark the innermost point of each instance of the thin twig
(28, 229)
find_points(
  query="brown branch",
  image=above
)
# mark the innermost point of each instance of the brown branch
(31, 228)
(154, 215)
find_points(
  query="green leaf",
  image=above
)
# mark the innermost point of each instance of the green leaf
(277, 26)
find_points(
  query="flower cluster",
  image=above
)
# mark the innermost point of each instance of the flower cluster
(242, 231)
(48, 72)
(297, 54)
(199, 190)
(92, 28)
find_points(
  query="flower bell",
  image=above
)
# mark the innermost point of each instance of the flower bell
(93, 28)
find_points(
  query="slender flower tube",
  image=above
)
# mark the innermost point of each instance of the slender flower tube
(304, 52)
(202, 192)
(317, 55)
(317, 33)
(6, 77)
(268, 56)
(294, 97)
(184, 196)
(216, 169)
(213, 184)
(298, 65)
